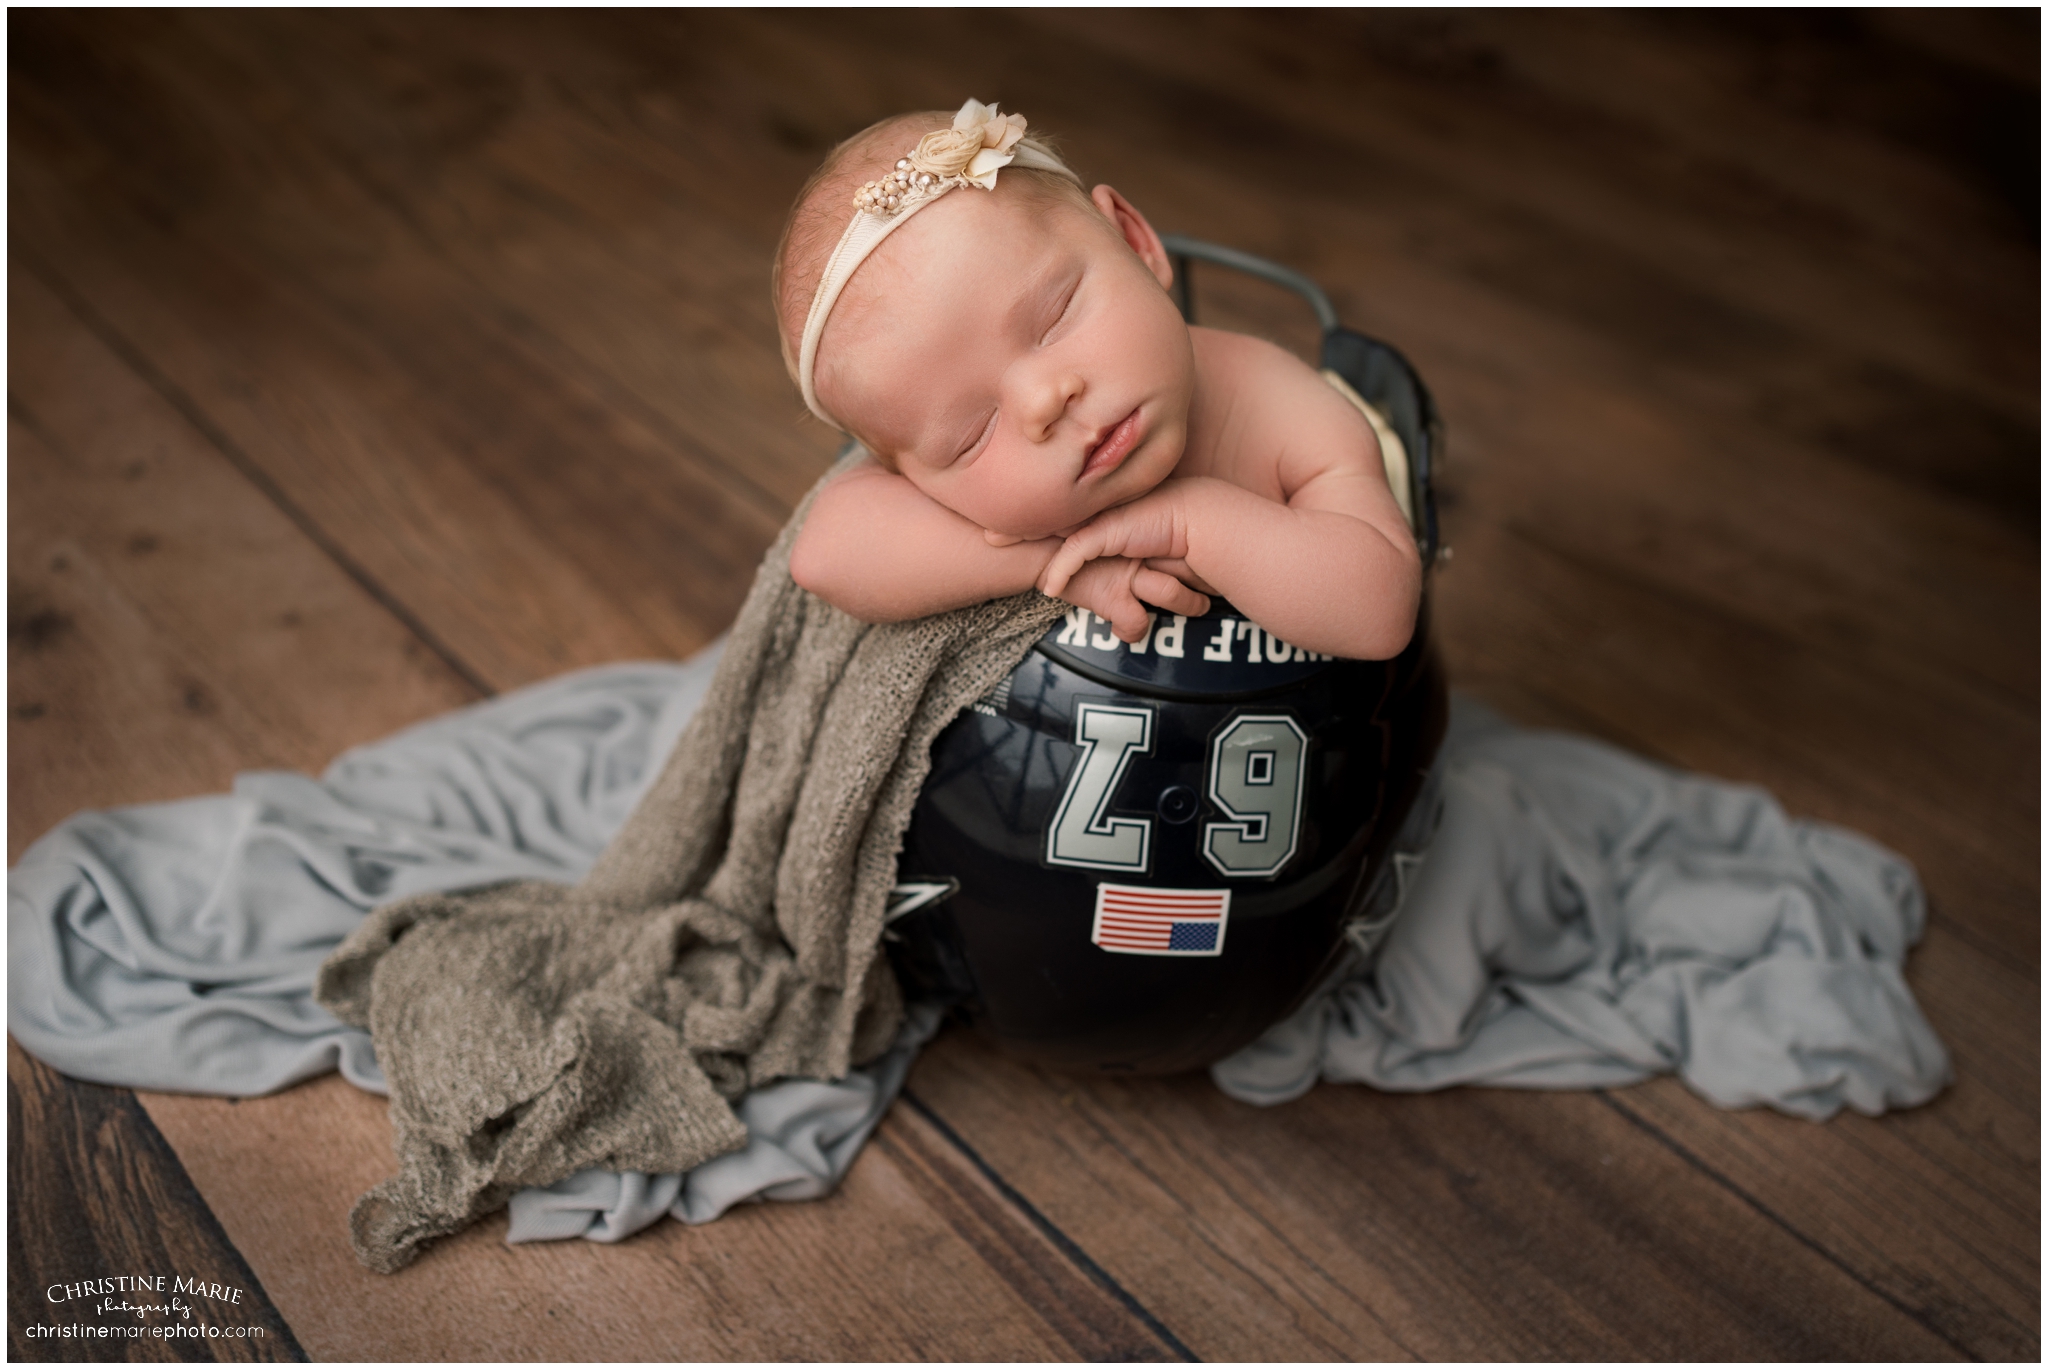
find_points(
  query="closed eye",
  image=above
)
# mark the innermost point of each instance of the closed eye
(980, 438)
(1066, 308)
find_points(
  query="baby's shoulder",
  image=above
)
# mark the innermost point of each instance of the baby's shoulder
(1281, 409)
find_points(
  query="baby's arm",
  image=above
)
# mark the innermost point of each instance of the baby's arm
(879, 548)
(1333, 569)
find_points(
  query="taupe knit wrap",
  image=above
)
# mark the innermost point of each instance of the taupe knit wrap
(729, 935)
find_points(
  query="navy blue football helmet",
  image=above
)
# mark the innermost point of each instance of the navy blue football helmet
(1137, 857)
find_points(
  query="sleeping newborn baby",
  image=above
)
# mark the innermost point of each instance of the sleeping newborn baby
(1001, 342)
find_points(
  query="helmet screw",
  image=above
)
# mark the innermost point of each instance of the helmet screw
(1179, 804)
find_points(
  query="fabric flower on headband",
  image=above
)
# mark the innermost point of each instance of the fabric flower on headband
(971, 152)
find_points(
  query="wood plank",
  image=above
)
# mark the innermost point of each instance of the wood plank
(94, 1191)
(913, 1259)
(134, 545)
(1896, 1201)
(379, 389)
(1098, 1320)
(1344, 1224)
(599, 243)
(79, 655)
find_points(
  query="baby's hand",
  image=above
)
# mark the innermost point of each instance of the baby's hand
(1112, 588)
(1154, 525)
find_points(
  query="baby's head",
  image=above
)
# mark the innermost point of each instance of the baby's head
(1013, 352)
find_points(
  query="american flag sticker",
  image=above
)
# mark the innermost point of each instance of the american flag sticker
(1155, 922)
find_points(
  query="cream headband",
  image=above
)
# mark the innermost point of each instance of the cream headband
(980, 143)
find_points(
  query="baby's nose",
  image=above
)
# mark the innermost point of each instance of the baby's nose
(1056, 394)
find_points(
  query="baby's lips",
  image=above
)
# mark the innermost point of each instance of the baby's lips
(1108, 452)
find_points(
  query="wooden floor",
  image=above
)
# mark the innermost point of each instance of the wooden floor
(365, 364)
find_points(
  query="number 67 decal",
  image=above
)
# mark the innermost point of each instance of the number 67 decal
(1255, 776)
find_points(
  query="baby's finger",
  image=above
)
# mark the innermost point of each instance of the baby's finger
(1156, 587)
(996, 539)
(1128, 619)
(1065, 564)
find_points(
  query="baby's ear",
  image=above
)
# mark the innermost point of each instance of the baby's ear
(1136, 232)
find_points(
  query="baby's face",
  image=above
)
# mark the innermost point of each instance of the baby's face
(1015, 359)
